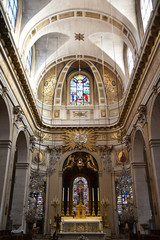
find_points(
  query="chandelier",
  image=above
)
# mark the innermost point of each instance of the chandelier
(124, 181)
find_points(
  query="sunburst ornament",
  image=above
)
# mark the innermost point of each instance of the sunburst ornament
(79, 36)
(80, 139)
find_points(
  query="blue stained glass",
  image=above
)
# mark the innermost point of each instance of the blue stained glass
(123, 195)
(80, 90)
(12, 8)
(29, 60)
(80, 189)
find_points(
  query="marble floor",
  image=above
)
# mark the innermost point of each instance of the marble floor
(47, 237)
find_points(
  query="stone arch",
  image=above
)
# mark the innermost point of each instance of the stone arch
(141, 186)
(155, 147)
(5, 146)
(65, 156)
(19, 178)
(155, 119)
(4, 121)
(80, 164)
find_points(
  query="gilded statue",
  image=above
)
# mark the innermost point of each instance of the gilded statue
(70, 162)
(90, 163)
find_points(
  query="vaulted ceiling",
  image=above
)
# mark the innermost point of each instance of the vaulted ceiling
(50, 26)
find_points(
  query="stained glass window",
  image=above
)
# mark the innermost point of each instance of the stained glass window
(39, 203)
(29, 60)
(146, 9)
(124, 192)
(130, 61)
(12, 8)
(80, 90)
(80, 192)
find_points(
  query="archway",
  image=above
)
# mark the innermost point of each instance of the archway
(5, 145)
(82, 168)
(141, 185)
(19, 176)
(155, 151)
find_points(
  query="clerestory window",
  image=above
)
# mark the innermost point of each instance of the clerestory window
(12, 9)
(29, 60)
(80, 90)
(130, 61)
(146, 9)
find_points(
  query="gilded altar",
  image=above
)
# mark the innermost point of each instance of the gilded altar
(89, 224)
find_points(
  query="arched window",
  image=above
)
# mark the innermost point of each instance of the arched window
(29, 60)
(80, 90)
(130, 61)
(80, 192)
(124, 192)
(12, 8)
(146, 9)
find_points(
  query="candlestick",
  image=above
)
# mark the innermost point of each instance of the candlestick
(63, 194)
(98, 214)
(62, 213)
(88, 212)
(93, 194)
(93, 211)
(68, 195)
(67, 214)
(98, 194)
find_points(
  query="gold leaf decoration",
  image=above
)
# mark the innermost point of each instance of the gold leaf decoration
(80, 138)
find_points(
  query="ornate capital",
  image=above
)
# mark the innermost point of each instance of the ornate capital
(142, 112)
(18, 113)
(155, 89)
(3, 90)
(127, 141)
(32, 142)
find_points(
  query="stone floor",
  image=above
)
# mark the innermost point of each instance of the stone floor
(47, 237)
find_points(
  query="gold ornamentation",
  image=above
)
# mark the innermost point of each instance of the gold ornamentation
(80, 162)
(91, 163)
(80, 138)
(38, 157)
(122, 157)
(79, 114)
(57, 113)
(79, 36)
(70, 162)
(103, 113)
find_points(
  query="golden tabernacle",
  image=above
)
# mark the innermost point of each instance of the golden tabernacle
(81, 211)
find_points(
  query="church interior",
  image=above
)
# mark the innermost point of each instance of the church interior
(80, 119)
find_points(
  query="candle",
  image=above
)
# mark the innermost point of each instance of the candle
(68, 195)
(98, 194)
(93, 194)
(63, 194)
(50, 221)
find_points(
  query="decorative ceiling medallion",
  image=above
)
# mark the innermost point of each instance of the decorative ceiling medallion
(80, 139)
(79, 36)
